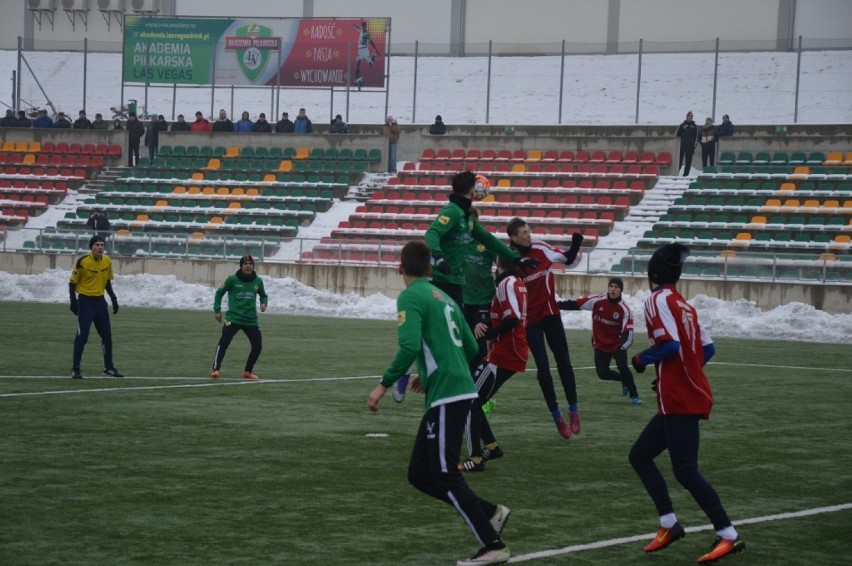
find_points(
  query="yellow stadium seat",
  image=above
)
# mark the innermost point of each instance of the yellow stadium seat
(847, 204)
(827, 256)
(237, 192)
(161, 203)
(122, 233)
(194, 190)
(792, 203)
(233, 151)
(519, 168)
(223, 191)
(35, 146)
(487, 198)
(142, 218)
(302, 153)
(773, 202)
(533, 156)
(727, 253)
(8, 145)
(285, 165)
(216, 220)
(800, 172)
(179, 190)
(743, 236)
(213, 164)
(22, 146)
(834, 158)
(208, 191)
(831, 204)
(29, 159)
(787, 187)
(758, 220)
(252, 192)
(842, 239)
(269, 178)
(504, 183)
(196, 236)
(197, 176)
(848, 160)
(811, 203)
(234, 205)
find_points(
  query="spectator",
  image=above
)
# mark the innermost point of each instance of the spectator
(82, 123)
(152, 140)
(116, 124)
(302, 125)
(100, 225)
(688, 134)
(391, 130)
(135, 131)
(223, 124)
(99, 123)
(9, 120)
(338, 126)
(162, 124)
(62, 122)
(726, 128)
(708, 143)
(23, 121)
(262, 126)
(201, 124)
(43, 120)
(438, 128)
(244, 124)
(284, 125)
(181, 125)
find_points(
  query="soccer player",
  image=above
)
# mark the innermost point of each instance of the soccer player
(544, 321)
(432, 332)
(450, 234)
(612, 334)
(478, 288)
(91, 278)
(507, 355)
(680, 348)
(365, 41)
(243, 289)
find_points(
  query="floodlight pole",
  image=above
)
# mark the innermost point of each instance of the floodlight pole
(638, 82)
(715, 79)
(798, 77)
(488, 86)
(414, 94)
(561, 80)
(85, 67)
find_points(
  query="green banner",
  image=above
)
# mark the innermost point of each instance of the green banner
(170, 50)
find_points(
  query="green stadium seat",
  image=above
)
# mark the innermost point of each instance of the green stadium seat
(165, 150)
(797, 158)
(344, 154)
(726, 158)
(193, 151)
(374, 156)
(261, 152)
(815, 158)
(762, 158)
(178, 151)
(744, 158)
(247, 152)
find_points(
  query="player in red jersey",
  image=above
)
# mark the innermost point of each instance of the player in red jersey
(507, 354)
(680, 348)
(612, 334)
(544, 320)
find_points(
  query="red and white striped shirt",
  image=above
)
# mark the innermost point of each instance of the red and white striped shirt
(510, 350)
(610, 320)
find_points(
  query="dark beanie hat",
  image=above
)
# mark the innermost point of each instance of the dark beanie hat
(246, 258)
(617, 281)
(666, 264)
(94, 240)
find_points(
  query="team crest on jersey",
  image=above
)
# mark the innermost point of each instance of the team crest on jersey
(400, 318)
(444, 219)
(615, 315)
(480, 248)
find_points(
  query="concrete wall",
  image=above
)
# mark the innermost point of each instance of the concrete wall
(368, 281)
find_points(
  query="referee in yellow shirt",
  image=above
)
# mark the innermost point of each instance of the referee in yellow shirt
(92, 276)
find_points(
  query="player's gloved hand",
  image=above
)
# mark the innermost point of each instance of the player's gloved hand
(637, 364)
(74, 307)
(529, 262)
(567, 305)
(442, 265)
(115, 306)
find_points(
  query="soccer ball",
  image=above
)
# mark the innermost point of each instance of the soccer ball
(359, 81)
(481, 187)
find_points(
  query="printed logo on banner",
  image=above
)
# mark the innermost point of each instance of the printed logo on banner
(252, 45)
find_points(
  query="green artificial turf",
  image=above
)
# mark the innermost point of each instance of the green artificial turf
(169, 467)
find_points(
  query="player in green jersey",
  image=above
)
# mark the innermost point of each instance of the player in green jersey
(243, 289)
(432, 332)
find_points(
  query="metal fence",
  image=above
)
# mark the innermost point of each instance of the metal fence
(757, 82)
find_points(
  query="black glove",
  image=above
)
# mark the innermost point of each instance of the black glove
(74, 308)
(529, 262)
(114, 305)
(568, 305)
(637, 364)
(442, 265)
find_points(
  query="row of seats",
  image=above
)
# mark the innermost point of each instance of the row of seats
(145, 175)
(258, 165)
(52, 159)
(38, 171)
(782, 158)
(785, 185)
(562, 197)
(734, 200)
(544, 169)
(731, 267)
(523, 183)
(10, 195)
(758, 171)
(611, 157)
(274, 153)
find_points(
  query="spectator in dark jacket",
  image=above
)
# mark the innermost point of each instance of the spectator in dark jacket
(244, 124)
(135, 131)
(9, 120)
(181, 125)
(23, 121)
(99, 123)
(116, 124)
(152, 140)
(438, 128)
(284, 125)
(302, 125)
(82, 123)
(262, 126)
(62, 122)
(338, 126)
(688, 134)
(223, 124)
(726, 128)
(707, 140)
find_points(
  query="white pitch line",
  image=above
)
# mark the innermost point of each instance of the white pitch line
(637, 538)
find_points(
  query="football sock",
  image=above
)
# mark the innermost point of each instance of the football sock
(557, 414)
(573, 407)
(668, 520)
(729, 533)
(491, 446)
